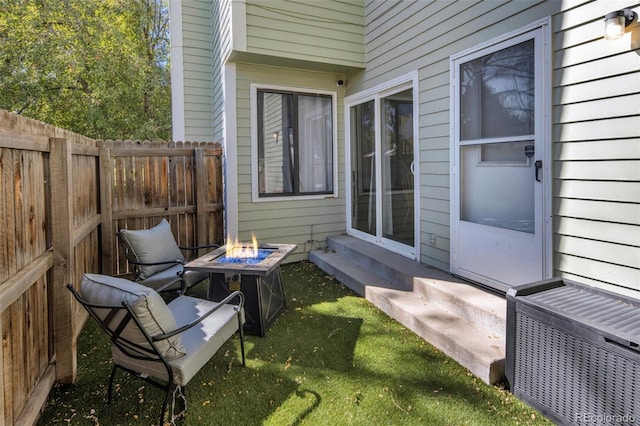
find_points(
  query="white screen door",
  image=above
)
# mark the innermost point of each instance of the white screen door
(499, 146)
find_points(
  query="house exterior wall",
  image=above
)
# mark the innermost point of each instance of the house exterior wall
(595, 127)
(595, 104)
(221, 39)
(596, 142)
(327, 32)
(302, 221)
(192, 78)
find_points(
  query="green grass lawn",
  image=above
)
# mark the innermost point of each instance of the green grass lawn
(331, 358)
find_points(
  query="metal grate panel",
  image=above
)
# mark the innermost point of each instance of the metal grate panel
(573, 352)
(601, 310)
(573, 379)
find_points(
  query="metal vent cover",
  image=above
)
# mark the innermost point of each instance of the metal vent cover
(571, 353)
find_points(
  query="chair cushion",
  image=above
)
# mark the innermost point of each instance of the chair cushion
(202, 341)
(161, 281)
(152, 245)
(150, 309)
(174, 275)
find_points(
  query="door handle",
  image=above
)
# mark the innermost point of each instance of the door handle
(538, 165)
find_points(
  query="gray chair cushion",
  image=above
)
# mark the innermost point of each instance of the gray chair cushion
(173, 275)
(152, 245)
(201, 341)
(153, 313)
(160, 281)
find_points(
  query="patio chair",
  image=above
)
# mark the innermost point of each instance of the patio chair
(163, 344)
(156, 260)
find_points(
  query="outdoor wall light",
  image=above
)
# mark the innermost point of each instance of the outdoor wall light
(616, 22)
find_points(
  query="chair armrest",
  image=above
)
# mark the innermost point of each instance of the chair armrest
(199, 247)
(167, 262)
(194, 249)
(225, 301)
(170, 283)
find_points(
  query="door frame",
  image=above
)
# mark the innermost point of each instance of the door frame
(544, 26)
(406, 81)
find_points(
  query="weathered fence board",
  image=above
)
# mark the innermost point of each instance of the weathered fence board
(24, 264)
(62, 198)
(154, 180)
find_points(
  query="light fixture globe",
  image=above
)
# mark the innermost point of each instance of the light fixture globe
(616, 22)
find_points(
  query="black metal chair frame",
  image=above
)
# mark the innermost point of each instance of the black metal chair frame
(151, 353)
(135, 265)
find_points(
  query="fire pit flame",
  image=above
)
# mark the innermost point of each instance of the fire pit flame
(237, 250)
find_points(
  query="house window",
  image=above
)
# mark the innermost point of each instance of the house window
(295, 143)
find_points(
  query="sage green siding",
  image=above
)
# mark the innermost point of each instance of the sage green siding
(595, 122)
(221, 47)
(402, 37)
(323, 32)
(596, 138)
(198, 60)
(308, 222)
(595, 109)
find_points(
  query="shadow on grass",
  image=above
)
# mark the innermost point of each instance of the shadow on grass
(330, 359)
(312, 340)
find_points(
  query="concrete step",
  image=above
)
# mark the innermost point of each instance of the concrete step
(446, 291)
(465, 322)
(473, 347)
(392, 266)
(352, 275)
(470, 303)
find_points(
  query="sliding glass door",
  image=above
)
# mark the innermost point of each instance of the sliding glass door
(382, 179)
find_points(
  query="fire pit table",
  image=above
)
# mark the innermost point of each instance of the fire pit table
(259, 278)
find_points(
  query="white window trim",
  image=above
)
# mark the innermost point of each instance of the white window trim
(379, 91)
(255, 196)
(230, 157)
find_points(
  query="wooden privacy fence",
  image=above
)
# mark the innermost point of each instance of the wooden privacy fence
(181, 182)
(62, 198)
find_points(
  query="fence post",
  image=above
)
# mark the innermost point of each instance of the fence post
(106, 211)
(201, 189)
(64, 341)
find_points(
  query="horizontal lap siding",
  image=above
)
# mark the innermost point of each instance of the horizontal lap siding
(595, 122)
(306, 223)
(330, 32)
(198, 64)
(405, 36)
(596, 138)
(221, 45)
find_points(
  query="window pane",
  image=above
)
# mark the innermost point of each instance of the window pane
(397, 177)
(275, 154)
(498, 193)
(497, 94)
(295, 143)
(363, 208)
(315, 144)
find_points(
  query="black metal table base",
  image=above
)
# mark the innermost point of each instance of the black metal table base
(264, 297)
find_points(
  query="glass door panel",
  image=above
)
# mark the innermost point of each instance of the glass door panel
(497, 185)
(363, 168)
(397, 167)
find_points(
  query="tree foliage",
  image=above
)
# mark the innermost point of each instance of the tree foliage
(96, 67)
